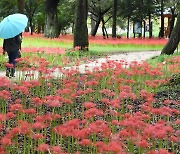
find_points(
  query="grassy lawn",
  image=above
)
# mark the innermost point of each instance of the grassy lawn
(98, 45)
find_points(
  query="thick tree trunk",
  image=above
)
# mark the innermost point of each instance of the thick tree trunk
(80, 30)
(114, 19)
(51, 24)
(173, 42)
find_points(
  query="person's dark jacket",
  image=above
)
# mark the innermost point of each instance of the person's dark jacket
(12, 44)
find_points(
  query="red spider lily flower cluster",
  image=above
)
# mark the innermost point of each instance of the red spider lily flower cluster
(109, 110)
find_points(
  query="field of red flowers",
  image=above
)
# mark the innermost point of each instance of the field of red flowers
(109, 41)
(111, 110)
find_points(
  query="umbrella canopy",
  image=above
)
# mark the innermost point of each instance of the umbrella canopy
(13, 25)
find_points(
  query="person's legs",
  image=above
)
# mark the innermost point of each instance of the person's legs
(12, 60)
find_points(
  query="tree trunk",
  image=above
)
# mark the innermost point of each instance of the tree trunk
(104, 31)
(171, 22)
(80, 30)
(51, 29)
(94, 31)
(144, 35)
(150, 24)
(128, 27)
(21, 6)
(93, 22)
(162, 20)
(114, 19)
(173, 42)
(31, 25)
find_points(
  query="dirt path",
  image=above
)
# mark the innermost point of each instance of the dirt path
(128, 57)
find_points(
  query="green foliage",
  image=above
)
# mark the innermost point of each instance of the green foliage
(161, 59)
(66, 14)
(7, 7)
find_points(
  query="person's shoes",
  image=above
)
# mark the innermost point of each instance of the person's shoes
(11, 75)
(7, 73)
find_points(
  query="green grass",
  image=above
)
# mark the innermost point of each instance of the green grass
(124, 47)
(159, 59)
(39, 42)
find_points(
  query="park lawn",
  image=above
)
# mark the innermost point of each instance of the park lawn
(97, 44)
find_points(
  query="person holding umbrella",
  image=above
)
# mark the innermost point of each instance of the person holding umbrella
(11, 29)
(12, 47)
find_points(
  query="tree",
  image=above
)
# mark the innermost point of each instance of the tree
(174, 39)
(51, 24)
(98, 9)
(31, 7)
(80, 29)
(7, 7)
(114, 19)
(172, 5)
(66, 15)
(126, 11)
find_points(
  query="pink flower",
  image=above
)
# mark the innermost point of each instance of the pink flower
(43, 147)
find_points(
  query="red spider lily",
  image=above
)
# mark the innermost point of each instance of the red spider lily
(99, 126)
(142, 144)
(43, 147)
(8, 65)
(39, 125)
(25, 127)
(29, 111)
(2, 117)
(13, 132)
(85, 142)
(64, 91)
(22, 89)
(106, 101)
(53, 103)
(5, 141)
(46, 50)
(16, 107)
(159, 130)
(37, 101)
(2, 150)
(56, 150)
(10, 115)
(177, 122)
(89, 105)
(4, 94)
(4, 82)
(67, 129)
(38, 136)
(115, 103)
(115, 147)
(81, 133)
(93, 112)
(101, 146)
(173, 139)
